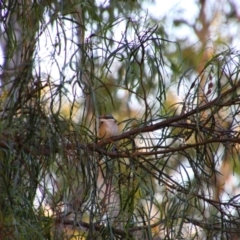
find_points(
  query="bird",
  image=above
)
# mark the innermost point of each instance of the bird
(107, 126)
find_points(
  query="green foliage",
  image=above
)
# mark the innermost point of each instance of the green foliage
(160, 176)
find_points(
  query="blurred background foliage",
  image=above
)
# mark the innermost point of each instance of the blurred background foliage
(171, 79)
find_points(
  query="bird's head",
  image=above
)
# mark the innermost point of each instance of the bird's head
(106, 116)
(107, 126)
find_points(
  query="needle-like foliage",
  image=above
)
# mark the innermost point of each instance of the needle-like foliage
(162, 177)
